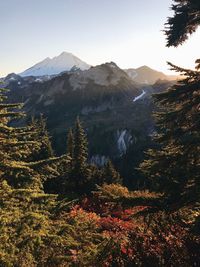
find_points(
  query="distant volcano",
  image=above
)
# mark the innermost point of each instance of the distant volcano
(52, 66)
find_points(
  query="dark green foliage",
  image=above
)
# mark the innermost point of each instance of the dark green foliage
(74, 171)
(77, 175)
(70, 143)
(184, 22)
(70, 149)
(45, 149)
(17, 146)
(175, 167)
(38, 230)
(80, 147)
(80, 173)
(110, 175)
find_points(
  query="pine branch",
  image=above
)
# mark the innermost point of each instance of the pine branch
(7, 106)
(44, 162)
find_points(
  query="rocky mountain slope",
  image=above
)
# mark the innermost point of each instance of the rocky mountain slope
(116, 112)
(146, 75)
(102, 96)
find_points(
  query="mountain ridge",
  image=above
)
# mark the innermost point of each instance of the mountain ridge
(66, 62)
(147, 75)
(116, 112)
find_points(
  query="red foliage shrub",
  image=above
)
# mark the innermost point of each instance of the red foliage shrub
(135, 238)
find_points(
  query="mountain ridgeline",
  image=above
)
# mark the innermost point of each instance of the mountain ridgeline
(116, 111)
(146, 75)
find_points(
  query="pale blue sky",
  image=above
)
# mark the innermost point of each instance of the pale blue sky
(128, 32)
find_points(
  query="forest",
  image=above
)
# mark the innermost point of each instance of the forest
(61, 211)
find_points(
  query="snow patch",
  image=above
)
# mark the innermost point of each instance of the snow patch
(113, 65)
(48, 102)
(99, 160)
(140, 96)
(40, 99)
(132, 73)
(121, 142)
(124, 139)
(38, 80)
(26, 102)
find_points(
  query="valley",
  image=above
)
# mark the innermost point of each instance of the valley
(116, 111)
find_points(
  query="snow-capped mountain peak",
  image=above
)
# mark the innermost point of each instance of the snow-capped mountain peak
(52, 66)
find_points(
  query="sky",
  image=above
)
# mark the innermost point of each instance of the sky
(128, 32)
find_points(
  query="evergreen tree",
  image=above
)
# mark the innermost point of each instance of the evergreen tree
(75, 172)
(13, 148)
(81, 172)
(174, 168)
(70, 143)
(80, 146)
(32, 230)
(44, 150)
(184, 22)
(64, 182)
(16, 145)
(110, 175)
(70, 148)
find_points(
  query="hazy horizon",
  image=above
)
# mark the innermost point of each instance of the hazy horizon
(126, 32)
